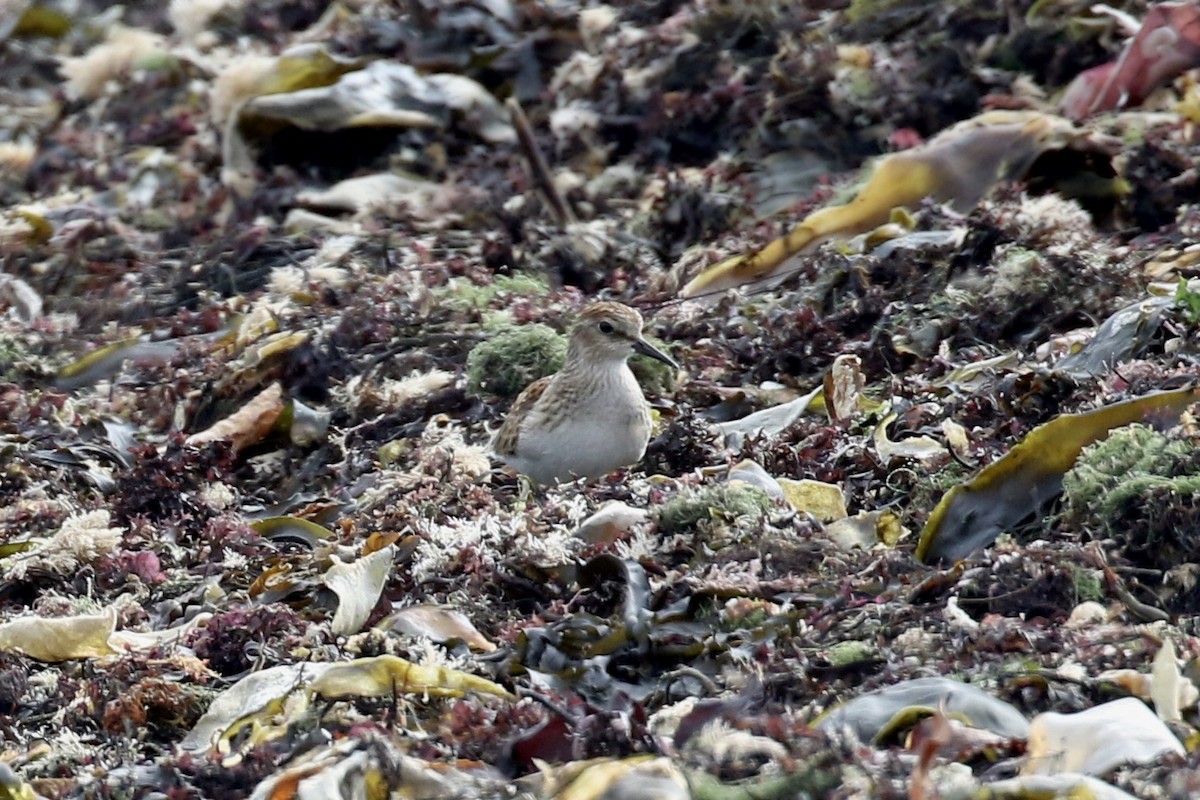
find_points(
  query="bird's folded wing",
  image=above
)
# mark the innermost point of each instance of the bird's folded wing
(505, 443)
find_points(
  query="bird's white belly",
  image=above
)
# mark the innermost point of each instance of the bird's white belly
(592, 444)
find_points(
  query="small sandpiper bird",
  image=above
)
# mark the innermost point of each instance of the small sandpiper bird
(590, 417)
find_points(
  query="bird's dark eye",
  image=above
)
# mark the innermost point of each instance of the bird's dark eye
(605, 327)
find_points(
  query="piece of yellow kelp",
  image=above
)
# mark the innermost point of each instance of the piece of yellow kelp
(385, 675)
(959, 166)
(973, 514)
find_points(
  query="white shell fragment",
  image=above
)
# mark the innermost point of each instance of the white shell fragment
(358, 586)
(1098, 740)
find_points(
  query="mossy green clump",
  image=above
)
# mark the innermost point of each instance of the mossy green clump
(513, 358)
(843, 654)
(865, 10)
(1111, 472)
(14, 352)
(1187, 301)
(1139, 487)
(1088, 584)
(719, 502)
(494, 321)
(1018, 270)
(464, 295)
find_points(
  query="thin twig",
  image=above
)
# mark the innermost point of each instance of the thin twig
(538, 168)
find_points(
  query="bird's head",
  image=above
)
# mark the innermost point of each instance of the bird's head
(608, 331)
